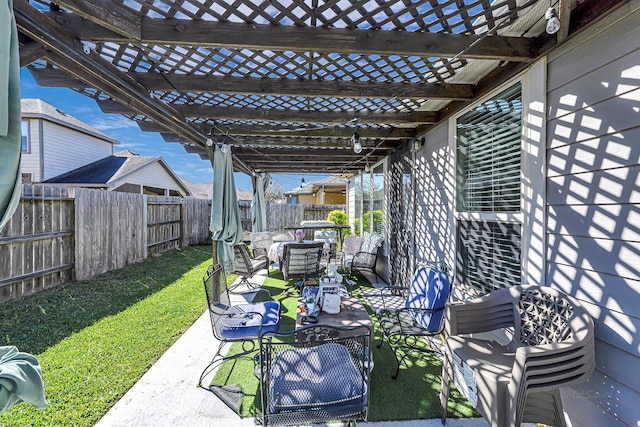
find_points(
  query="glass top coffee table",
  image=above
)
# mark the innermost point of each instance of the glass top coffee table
(352, 314)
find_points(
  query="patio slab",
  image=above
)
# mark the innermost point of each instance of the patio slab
(168, 393)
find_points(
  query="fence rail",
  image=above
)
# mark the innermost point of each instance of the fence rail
(59, 234)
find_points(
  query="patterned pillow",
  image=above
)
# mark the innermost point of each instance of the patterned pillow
(351, 244)
(371, 242)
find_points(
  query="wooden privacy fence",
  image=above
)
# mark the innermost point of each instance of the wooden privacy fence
(280, 215)
(59, 234)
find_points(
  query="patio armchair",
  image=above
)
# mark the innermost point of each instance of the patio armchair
(551, 346)
(307, 382)
(294, 261)
(365, 259)
(409, 329)
(247, 266)
(234, 323)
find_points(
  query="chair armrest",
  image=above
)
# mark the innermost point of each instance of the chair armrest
(364, 259)
(482, 314)
(255, 291)
(259, 252)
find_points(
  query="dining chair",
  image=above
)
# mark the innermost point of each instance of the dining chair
(234, 323)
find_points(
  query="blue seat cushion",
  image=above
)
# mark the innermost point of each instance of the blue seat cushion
(249, 326)
(429, 290)
(322, 377)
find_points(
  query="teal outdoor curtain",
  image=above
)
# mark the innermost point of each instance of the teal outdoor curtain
(226, 222)
(10, 129)
(259, 205)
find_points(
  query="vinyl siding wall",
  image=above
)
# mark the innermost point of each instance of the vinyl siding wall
(593, 205)
(65, 149)
(434, 187)
(151, 175)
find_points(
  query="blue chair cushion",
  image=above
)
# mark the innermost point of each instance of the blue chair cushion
(429, 290)
(322, 377)
(249, 326)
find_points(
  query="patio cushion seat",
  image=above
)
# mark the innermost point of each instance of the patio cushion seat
(314, 378)
(241, 327)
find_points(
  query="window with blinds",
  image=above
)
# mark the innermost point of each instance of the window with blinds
(488, 174)
(488, 145)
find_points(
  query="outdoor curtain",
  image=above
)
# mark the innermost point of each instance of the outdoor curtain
(258, 204)
(10, 129)
(226, 222)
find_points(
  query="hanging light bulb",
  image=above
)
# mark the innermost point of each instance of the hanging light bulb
(553, 23)
(355, 139)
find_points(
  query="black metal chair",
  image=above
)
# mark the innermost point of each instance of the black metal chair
(247, 266)
(234, 323)
(314, 381)
(365, 260)
(407, 329)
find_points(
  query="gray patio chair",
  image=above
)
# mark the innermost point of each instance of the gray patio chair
(247, 266)
(294, 261)
(408, 330)
(552, 346)
(329, 239)
(306, 382)
(365, 260)
(238, 323)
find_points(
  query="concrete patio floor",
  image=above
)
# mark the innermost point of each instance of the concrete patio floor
(168, 393)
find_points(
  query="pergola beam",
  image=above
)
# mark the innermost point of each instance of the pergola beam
(287, 131)
(282, 115)
(95, 72)
(30, 52)
(230, 35)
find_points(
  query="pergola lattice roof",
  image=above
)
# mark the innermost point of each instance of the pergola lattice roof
(287, 83)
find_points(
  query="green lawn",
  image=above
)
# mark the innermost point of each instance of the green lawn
(95, 339)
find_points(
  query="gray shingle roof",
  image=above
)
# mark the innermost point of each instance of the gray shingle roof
(37, 108)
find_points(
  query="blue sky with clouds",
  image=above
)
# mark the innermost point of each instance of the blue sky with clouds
(187, 165)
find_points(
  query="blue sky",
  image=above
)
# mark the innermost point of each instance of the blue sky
(187, 165)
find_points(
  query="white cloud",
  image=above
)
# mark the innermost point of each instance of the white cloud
(112, 122)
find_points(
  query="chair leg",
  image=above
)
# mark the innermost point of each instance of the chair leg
(444, 390)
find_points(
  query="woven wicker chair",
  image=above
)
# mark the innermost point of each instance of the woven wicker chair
(294, 260)
(247, 266)
(307, 382)
(260, 242)
(552, 346)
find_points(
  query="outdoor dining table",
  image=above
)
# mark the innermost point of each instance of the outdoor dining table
(337, 227)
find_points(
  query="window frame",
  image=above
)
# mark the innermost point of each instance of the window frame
(531, 216)
(25, 135)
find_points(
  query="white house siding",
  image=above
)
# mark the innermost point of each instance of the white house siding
(30, 162)
(434, 187)
(593, 205)
(66, 149)
(151, 175)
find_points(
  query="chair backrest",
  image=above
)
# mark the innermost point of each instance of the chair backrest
(327, 236)
(429, 291)
(371, 242)
(307, 382)
(261, 240)
(295, 259)
(351, 245)
(244, 266)
(215, 287)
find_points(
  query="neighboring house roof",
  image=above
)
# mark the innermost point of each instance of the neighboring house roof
(38, 109)
(111, 168)
(333, 181)
(204, 190)
(244, 195)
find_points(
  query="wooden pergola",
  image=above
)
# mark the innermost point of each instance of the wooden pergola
(288, 84)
